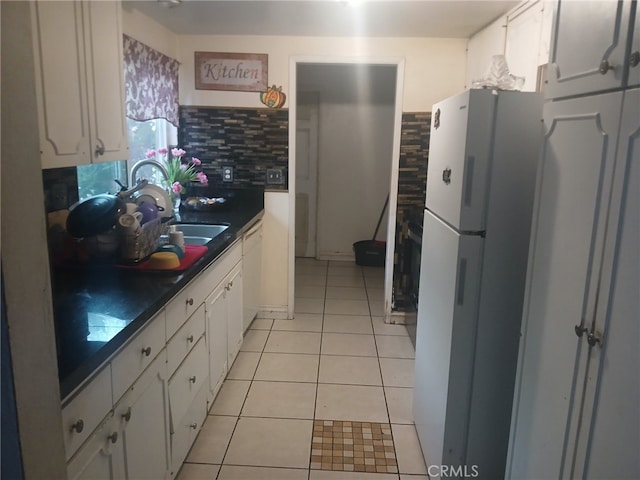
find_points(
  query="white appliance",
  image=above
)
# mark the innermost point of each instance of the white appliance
(483, 155)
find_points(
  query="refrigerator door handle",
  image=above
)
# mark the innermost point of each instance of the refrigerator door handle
(468, 180)
(462, 278)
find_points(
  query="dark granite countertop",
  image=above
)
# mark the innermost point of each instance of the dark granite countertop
(96, 310)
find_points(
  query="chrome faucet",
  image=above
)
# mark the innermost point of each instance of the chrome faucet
(142, 163)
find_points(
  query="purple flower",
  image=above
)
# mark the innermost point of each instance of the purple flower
(183, 166)
(202, 178)
(177, 152)
(150, 154)
(196, 161)
(163, 151)
(176, 187)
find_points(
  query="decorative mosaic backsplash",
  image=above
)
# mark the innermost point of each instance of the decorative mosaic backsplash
(251, 140)
(412, 187)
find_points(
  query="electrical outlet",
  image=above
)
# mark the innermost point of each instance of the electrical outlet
(274, 176)
(227, 174)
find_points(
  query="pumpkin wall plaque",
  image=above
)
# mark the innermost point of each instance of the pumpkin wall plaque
(273, 97)
(244, 72)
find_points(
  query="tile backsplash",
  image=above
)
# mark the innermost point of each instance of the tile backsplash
(253, 141)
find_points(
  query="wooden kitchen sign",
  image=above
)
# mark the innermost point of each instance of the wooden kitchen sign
(245, 72)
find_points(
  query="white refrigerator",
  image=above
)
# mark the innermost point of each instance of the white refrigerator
(483, 155)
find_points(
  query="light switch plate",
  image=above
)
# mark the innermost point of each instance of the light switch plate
(227, 174)
(274, 176)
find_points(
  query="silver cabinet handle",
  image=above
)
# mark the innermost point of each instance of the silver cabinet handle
(146, 351)
(113, 437)
(190, 339)
(192, 379)
(99, 150)
(605, 66)
(127, 416)
(189, 301)
(634, 59)
(580, 330)
(593, 339)
(194, 425)
(77, 426)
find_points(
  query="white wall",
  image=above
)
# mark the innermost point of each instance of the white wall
(482, 46)
(434, 67)
(355, 150)
(149, 32)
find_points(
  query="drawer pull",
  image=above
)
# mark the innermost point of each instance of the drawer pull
(127, 416)
(146, 351)
(78, 426)
(189, 301)
(194, 425)
(192, 379)
(231, 283)
(113, 437)
(190, 339)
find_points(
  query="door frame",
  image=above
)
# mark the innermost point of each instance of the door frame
(395, 162)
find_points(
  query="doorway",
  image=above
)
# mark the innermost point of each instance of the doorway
(356, 107)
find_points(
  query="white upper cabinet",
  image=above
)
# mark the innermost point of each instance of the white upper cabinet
(602, 58)
(79, 82)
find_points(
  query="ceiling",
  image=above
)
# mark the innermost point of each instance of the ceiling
(339, 18)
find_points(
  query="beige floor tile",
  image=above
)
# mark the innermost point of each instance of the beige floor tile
(346, 307)
(310, 269)
(232, 472)
(329, 475)
(400, 404)
(212, 441)
(345, 281)
(345, 268)
(288, 367)
(395, 346)
(244, 367)
(254, 340)
(310, 291)
(261, 324)
(198, 471)
(230, 398)
(381, 328)
(309, 305)
(413, 477)
(397, 372)
(374, 282)
(408, 452)
(351, 402)
(280, 400)
(373, 272)
(349, 370)
(310, 261)
(375, 294)
(293, 342)
(272, 442)
(307, 280)
(347, 293)
(303, 322)
(376, 308)
(347, 324)
(348, 344)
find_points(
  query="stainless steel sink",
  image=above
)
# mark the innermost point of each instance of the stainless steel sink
(197, 233)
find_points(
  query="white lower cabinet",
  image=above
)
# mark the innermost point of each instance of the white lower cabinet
(102, 457)
(144, 427)
(188, 402)
(139, 416)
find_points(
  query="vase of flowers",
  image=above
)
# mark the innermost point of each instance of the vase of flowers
(179, 171)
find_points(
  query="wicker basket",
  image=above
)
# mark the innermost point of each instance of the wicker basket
(135, 247)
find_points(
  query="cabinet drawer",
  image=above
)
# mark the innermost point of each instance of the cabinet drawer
(85, 411)
(131, 361)
(183, 341)
(187, 382)
(186, 430)
(185, 303)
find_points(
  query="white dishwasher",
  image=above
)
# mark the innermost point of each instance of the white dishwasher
(251, 272)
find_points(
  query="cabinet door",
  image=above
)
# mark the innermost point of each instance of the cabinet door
(612, 395)
(217, 338)
(61, 84)
(251, 273)
(102, 457)
(103, 32)
(634, 57)
(235, 318)
(574, 182)
(143, 415)
(598, 60)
